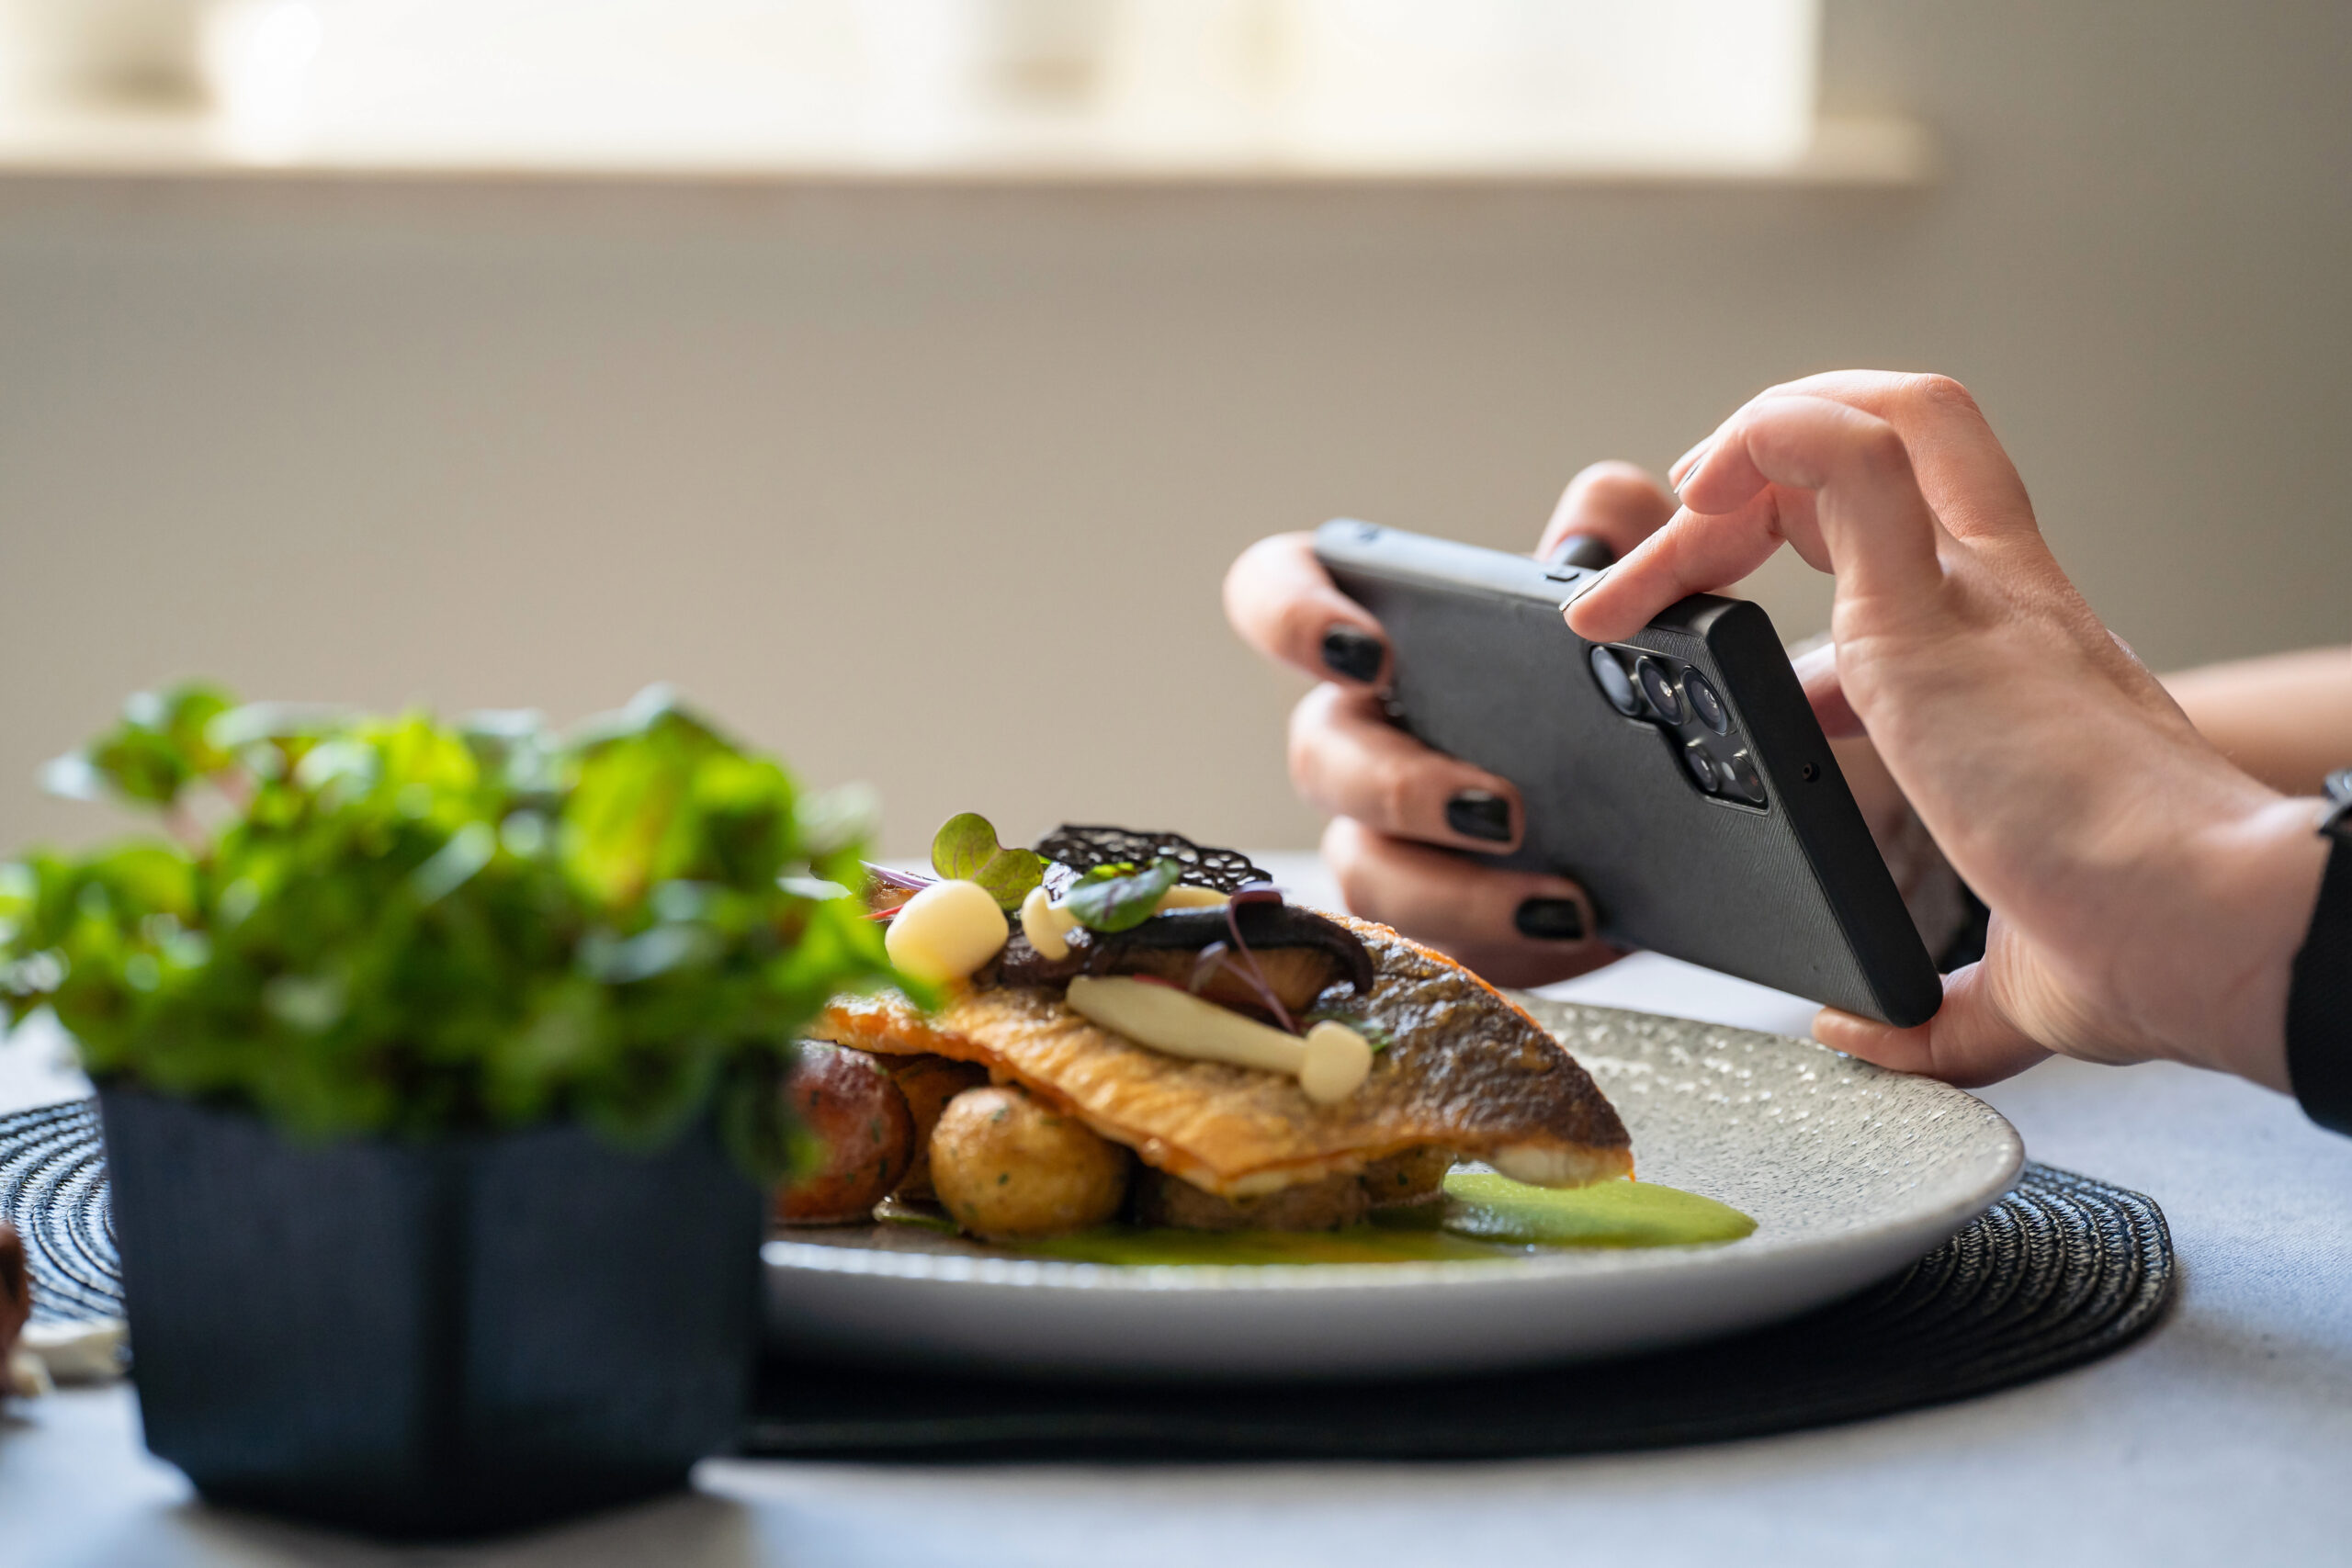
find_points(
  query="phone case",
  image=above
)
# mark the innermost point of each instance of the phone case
(1765, 871)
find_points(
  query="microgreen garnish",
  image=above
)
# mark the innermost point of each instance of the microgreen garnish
(966, 848)
(1248, 966)
(1119, 897)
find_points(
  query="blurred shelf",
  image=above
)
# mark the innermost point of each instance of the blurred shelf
(1887, 153)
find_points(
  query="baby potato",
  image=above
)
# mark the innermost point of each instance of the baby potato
(1005, 1167)
(850, 1107)
(929, 1083)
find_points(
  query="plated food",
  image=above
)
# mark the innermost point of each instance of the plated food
(1136, 1040)
(1849, 1172)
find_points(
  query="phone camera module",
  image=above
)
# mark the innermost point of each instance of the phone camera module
(1616, 684)
(1658, 687)
(1744, 779)
(1706, 702)
(1701, 766)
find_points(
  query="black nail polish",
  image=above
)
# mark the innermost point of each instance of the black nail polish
(1550, 920)
(1480, 814)
(1351, 654)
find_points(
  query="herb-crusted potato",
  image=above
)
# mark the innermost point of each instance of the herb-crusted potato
(1005, 1167)
(850, 1107)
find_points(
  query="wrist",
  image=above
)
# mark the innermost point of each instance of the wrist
(2259, 879)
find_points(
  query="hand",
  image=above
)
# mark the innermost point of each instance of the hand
(1399, 810)
(2148, 896)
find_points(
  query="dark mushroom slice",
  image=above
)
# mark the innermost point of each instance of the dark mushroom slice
(1019, 963)
(1298, 954)
(1296, 975)
(1262, 928)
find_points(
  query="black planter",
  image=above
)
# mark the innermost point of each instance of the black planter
(430, 1339)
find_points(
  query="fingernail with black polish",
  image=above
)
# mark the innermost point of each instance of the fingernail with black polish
(1479, 814)
(1550, 920)
(1351, 654)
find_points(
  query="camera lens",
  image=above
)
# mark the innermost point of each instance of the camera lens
(1744, 779)
(1658, 686)
(1706, 703)
(1701, 766)
(1616, 684)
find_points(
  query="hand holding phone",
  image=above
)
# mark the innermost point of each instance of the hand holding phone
(1403, 812)
(1677, 774)
(1399, 810)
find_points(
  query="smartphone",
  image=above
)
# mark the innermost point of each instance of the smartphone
(1678, 776)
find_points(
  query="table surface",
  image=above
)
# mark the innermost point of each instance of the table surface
(2225, 1435)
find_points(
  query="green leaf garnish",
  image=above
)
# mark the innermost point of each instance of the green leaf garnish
(1375, 1033)
(964, 849)
(1119, 897)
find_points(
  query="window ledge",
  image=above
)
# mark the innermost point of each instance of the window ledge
(1885, 151)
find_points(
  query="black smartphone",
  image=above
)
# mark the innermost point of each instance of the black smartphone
(1679, 775)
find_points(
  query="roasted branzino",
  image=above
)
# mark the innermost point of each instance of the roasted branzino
(1466, 1070)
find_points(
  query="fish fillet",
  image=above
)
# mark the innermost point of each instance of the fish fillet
(1469, 1071)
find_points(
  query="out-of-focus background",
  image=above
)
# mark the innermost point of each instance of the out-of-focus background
(899, 376)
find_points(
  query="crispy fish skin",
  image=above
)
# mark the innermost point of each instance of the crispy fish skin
(1470, 1071)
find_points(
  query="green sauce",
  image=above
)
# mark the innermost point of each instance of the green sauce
(1607, 1213)
(1483, 1217)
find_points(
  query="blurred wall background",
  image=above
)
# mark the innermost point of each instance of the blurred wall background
(934, 488)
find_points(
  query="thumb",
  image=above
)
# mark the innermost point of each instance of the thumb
(1969, 1042)
(1816, 670)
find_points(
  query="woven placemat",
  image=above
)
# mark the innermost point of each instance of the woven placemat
(2061, 1270)
(53, 1189)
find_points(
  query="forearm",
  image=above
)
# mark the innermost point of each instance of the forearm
(2287, 719)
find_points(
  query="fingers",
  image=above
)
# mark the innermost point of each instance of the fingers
(1616, 502)
(1282, 603)
(1690, 555)
(1347, 760)
(1962, 466)
(1969, 1042)
(1482, 917)
(1817, 671)
(1867, 520)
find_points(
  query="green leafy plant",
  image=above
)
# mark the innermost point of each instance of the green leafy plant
(966, 847)
(1119, 897)
(398, 926)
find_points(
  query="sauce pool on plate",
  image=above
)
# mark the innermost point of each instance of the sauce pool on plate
(1483, 1217)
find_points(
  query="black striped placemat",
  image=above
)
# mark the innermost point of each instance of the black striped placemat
(2061, 1270)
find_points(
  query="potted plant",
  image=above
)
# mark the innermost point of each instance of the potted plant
(438, 1064)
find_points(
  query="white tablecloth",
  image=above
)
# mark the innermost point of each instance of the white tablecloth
(2224, 1437)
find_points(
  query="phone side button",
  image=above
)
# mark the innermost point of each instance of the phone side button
(1578, 588)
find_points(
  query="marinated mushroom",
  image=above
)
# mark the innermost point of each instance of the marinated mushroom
(1297, 953)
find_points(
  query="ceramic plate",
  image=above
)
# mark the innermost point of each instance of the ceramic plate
(1850, 1173)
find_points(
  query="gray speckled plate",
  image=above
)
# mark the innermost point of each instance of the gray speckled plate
(1849, 1172)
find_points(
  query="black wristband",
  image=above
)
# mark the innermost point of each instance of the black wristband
(2319, 999)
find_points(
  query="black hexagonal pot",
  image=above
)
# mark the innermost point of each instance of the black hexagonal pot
(430, 1339)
